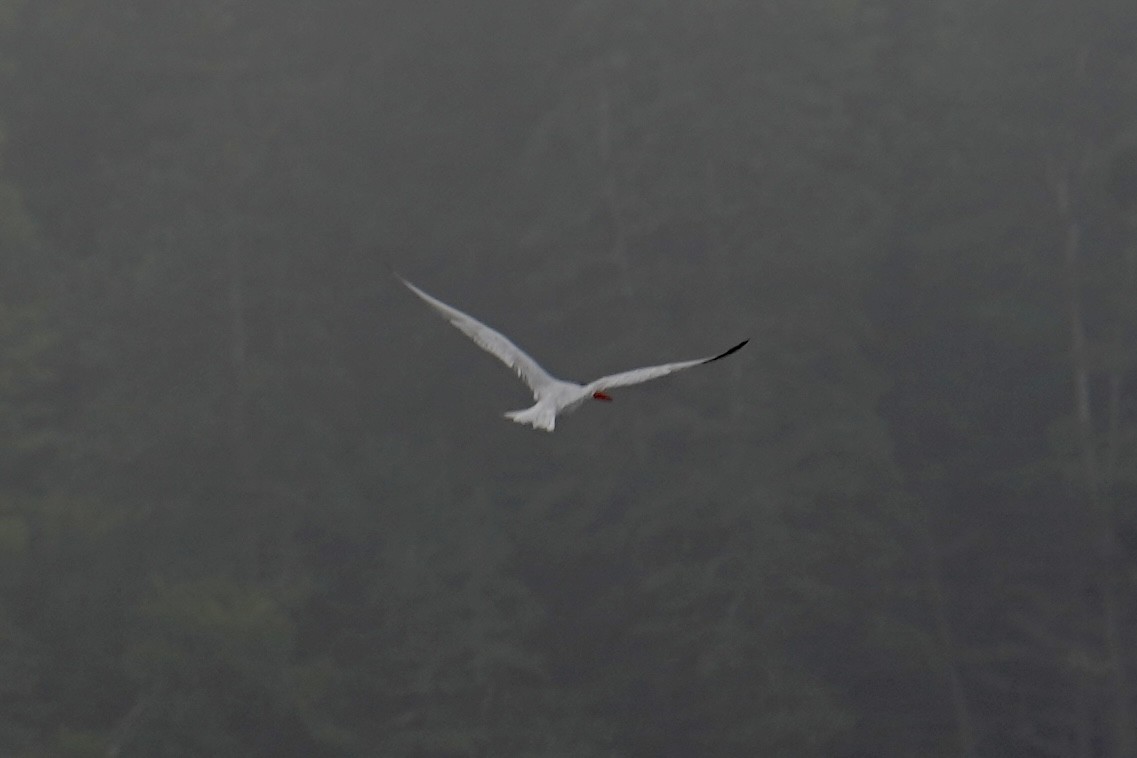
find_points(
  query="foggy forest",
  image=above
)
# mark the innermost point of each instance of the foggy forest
(257, 499)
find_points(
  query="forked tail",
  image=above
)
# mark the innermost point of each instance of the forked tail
(539, 417)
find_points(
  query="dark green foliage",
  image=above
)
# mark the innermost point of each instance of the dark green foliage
(254, 501)
(1122, 179)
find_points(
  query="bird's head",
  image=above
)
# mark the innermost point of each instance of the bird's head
(602, 396)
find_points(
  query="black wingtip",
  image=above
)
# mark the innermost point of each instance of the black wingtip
(734, 349)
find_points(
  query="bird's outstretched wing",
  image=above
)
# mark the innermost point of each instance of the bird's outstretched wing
(646, 374)
(490, 340)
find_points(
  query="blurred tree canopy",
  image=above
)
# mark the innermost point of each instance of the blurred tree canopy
(256, 502)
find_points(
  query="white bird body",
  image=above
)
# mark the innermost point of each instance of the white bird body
(553, 396)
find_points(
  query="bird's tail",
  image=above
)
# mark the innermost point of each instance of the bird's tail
(538, 417)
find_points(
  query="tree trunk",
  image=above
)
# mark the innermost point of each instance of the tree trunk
(238, 365)
(1097, 483)
(961, 709)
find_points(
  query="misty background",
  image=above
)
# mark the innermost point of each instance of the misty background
(258, 500)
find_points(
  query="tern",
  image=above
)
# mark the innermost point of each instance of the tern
(553, 396)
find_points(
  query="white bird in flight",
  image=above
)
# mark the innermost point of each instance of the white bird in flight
(553, 396)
